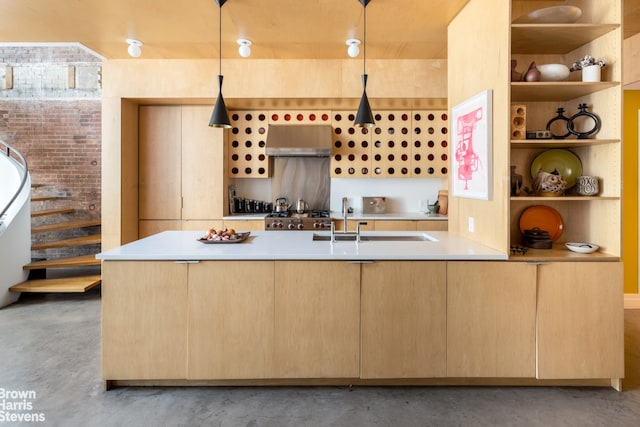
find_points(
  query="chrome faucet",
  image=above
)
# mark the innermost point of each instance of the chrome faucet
(345, 210)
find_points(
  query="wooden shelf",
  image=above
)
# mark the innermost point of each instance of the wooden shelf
(555, 91)
(560, 253)
(559, 143)
(554, 38)
(561, 198)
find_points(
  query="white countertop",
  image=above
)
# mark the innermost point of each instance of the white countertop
(299, 245)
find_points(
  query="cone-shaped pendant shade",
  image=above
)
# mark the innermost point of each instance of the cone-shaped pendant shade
(364, 116)
(220, 116)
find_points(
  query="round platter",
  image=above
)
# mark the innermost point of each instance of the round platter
(564, 161)
(583, 248)
(551, 15)
(545, 218)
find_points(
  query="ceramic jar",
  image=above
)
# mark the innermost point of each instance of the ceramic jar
(587, 185)
(591, 73)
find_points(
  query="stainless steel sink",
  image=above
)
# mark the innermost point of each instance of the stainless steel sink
(374, 238)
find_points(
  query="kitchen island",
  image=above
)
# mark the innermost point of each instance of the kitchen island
(283, 308)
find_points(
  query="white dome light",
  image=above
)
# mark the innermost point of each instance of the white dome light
(134, 47)
(244, 50)
(353, 49)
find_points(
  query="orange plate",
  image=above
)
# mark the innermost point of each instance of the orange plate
(543, 217)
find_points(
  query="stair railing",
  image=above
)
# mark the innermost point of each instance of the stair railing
(11, 152)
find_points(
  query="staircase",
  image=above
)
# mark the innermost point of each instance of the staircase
(56, 234)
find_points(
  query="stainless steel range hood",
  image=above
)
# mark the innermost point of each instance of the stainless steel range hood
(299, 141)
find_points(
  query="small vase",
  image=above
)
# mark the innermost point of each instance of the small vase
(591, 73)
(583, 114)
(516, 76)
(516, 182)
(565, 126)
(532, 74)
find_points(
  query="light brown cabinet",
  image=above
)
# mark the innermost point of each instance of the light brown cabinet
(144, 320)
(180, 169)
(491, 315)
(317, 319)
(394, 225)
(231, 310)
(403, 312)
(580, 316)
(244, 225)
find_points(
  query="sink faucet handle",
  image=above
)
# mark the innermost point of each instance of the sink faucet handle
(358, 229)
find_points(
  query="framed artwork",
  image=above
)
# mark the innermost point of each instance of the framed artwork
(471, 124)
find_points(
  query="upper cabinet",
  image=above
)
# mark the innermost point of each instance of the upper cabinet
(579, 144)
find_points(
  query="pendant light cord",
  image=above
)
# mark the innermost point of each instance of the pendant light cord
(220, 40)
(364, 50)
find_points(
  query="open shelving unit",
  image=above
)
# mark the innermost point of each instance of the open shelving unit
(594, 219)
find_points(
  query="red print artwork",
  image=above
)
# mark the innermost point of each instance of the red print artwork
(467, 159)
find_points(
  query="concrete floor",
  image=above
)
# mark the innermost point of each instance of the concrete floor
(50, 344)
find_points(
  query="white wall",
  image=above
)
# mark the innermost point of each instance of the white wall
(403, 194)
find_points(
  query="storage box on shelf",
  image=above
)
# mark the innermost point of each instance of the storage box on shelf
(594, 219)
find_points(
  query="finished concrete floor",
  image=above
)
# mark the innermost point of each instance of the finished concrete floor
(50, 344)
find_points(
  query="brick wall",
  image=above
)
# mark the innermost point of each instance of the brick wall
(58, 131)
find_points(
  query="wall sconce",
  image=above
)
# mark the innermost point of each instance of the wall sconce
(244, 50)
(134, 47)
(353, 49)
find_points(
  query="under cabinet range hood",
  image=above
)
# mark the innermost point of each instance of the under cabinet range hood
(299, 141)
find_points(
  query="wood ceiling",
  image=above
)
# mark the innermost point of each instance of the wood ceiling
(281, 29)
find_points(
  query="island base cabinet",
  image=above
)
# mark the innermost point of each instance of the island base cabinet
(144, 320)
(231, 319)
(580, 320)
(317, 321)
(491, 319)
(403, 319)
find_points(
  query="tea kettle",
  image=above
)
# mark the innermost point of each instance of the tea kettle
(301, 206)
(281, 205)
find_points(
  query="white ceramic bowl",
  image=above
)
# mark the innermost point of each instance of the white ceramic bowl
(553, 72)
(551, 15)
(583, 248)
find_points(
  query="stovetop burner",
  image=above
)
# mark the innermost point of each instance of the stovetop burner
(284, 214)
(319, 214)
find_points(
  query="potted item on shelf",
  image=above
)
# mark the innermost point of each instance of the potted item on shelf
(587, 185)
(549, 184)
(590, 68)
(536, 238)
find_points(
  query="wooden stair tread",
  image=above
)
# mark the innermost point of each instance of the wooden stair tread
(44, 198)
(65, 225)
(46, 212)
(61, 284)
(63, 262)
(67, 243)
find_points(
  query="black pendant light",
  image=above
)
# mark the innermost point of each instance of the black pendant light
(364, 116)
(220, 116)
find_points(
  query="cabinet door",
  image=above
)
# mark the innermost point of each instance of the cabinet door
(159, 171)
(245, 225)
(491, 319)
(317, 319)
(404, 319)
(231, 319)
(580, 320)
(440, 225)
(202, 165)
(144, 320)
(395, 225)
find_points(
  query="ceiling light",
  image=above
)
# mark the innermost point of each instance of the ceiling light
(220, 116)
(134, 47)
(244, 50)
(353, 49)
(364, 116)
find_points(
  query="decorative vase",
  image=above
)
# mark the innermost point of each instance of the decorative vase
(532, 74)
(583, 114)
(516, 76)
(587, 185)
(516, 182)
(560, 118)
(591, 73)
